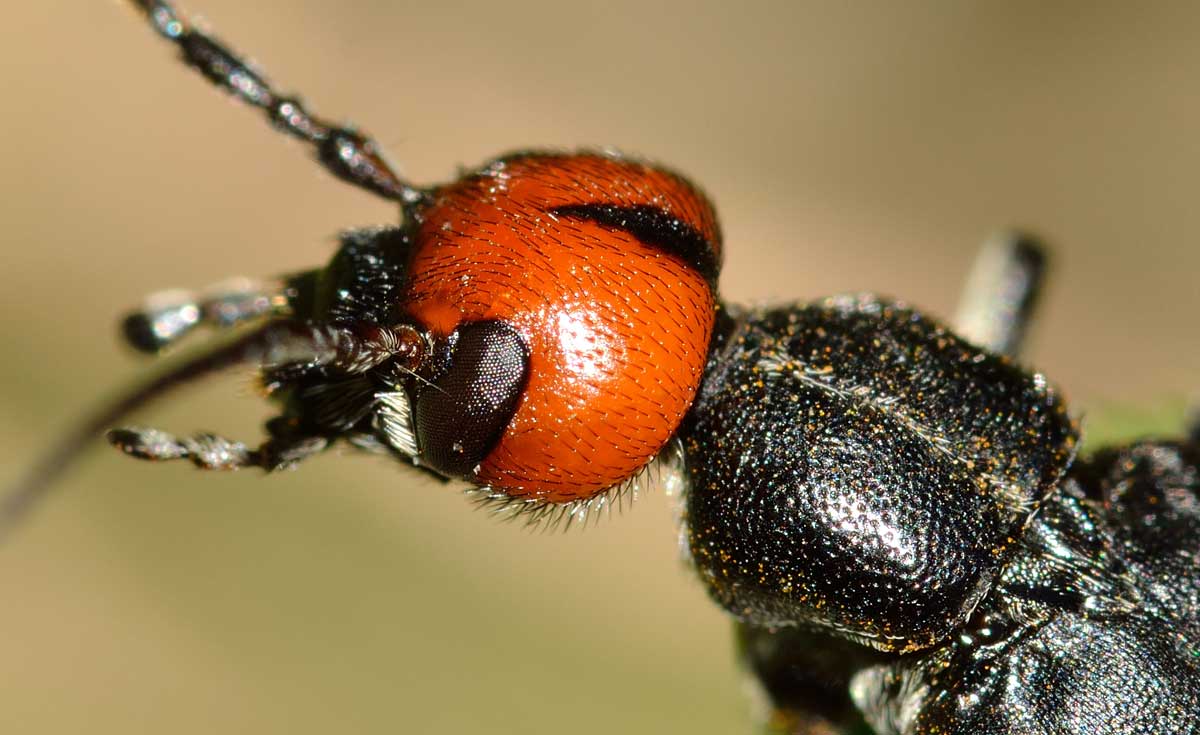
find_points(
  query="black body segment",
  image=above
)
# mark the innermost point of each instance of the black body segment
(1152, 491)
(462, 412)
(856, 466)
(1092, 629)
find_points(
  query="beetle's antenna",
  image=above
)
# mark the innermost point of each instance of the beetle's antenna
(350, 155)
(275, 343)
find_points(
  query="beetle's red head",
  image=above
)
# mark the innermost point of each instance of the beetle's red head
(593, 277)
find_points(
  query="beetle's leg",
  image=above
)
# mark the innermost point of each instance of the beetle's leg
(1002, 292)
(804, 677)
(346, 153)
(167, 316)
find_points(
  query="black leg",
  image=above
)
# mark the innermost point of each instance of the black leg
(348, 154)
(1001, 293)
(805, 679)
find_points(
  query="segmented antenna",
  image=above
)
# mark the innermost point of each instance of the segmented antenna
(352, 156)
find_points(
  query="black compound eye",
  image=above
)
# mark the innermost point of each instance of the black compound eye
(463, 414)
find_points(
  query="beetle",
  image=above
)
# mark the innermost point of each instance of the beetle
(758, 337)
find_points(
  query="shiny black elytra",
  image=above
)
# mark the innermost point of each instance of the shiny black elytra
(894, 513)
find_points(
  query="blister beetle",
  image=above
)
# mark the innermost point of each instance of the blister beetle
(788, 369)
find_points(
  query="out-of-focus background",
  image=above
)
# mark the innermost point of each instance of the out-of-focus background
(849, 147)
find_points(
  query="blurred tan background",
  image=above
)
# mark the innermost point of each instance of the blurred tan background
(864, 147)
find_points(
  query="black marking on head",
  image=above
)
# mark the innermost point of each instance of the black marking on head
(656, 228)
(462, 415)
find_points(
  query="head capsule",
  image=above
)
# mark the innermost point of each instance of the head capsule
(568, 301)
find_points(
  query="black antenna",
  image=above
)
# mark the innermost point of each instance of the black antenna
(348, 154)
